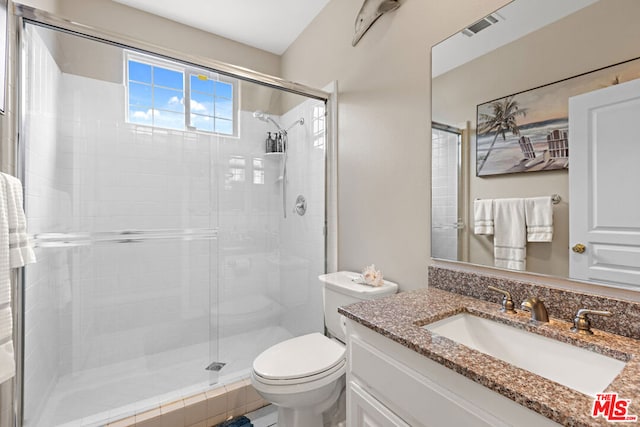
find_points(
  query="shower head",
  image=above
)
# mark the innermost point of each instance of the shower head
(260, 115)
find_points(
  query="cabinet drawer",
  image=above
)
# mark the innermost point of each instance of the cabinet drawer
(414, 397)
(366, 411)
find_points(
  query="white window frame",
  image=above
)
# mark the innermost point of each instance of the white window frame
(187, 72)
(319, 121)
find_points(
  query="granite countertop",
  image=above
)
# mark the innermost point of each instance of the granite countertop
(400, 317)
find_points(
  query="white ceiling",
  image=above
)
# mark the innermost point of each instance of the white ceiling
(270, 25)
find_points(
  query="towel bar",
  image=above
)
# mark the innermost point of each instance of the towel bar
(555, 199)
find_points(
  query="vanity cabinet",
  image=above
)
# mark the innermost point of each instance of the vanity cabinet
(389, 385)
(366, 411)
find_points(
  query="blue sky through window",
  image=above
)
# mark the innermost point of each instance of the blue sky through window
(168, 78)
(139, 72)
(201, 83)
(157, 97)
(211, 102)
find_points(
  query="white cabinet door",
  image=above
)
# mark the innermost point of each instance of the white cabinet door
(604, 181)
(365, 411)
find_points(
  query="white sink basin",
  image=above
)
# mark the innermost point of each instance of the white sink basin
(574, 367)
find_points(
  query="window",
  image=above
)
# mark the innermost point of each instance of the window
(237, 165)
(173, 96)
(319, 126)
(258, 170)
(211, 105)
(156, 95)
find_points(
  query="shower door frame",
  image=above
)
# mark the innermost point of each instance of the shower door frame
(26, 14)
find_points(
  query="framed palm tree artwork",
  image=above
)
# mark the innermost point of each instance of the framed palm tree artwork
(529, 131)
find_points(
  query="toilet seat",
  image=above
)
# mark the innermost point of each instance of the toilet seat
(300, 360)
(338, 369)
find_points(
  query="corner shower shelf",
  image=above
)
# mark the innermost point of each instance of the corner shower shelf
(275, 155)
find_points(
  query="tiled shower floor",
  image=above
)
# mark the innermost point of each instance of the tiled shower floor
(92, 397)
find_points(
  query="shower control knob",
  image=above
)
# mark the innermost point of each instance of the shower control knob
(301, 205)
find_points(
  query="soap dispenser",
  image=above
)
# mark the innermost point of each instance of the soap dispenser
(270, 143)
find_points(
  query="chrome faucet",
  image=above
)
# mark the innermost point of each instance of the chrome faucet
(537, 309)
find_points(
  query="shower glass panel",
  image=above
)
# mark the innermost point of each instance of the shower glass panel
(165, 264)
(445, 216)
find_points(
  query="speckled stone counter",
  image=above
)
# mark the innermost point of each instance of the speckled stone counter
(401, 317)
(561, 303)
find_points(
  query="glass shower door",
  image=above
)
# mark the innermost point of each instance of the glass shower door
(158, 211)
(124, 217)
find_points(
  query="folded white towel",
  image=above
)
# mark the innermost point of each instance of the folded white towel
(539, 218)
(483, 216)
(15, 251)
(509, 242)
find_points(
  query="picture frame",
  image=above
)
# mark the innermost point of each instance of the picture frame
(529, 131)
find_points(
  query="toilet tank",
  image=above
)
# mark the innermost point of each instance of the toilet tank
(340, 289)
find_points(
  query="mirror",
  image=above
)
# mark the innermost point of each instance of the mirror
(523, 46)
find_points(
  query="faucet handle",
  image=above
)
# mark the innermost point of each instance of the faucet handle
(507, 302)
(582, 324)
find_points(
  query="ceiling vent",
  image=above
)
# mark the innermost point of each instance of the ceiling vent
(482, 24)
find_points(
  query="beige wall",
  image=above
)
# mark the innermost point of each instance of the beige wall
(168, 34)
(384, 120)
(47, 5)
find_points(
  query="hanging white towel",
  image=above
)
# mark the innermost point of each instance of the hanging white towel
(539, 218)
(21, 252)
(509, 242)
(483, 216)
(15, 251)
(7, 362)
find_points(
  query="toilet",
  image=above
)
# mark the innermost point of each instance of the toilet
(305, 376)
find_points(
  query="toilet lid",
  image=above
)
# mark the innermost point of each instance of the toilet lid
(299, 357)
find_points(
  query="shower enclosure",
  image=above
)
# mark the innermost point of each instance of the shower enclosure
(445, 175)
(165, 263)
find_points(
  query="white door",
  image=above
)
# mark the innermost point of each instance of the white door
(604, 176)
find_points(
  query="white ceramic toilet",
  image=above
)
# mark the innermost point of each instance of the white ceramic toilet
(305, 376)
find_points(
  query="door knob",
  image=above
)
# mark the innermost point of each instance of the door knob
(579, 248)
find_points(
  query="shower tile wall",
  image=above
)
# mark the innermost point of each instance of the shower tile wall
(100, 317)
(444, 208)
(302, 237)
